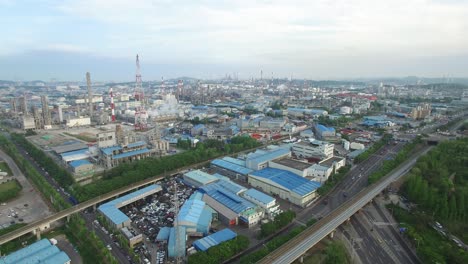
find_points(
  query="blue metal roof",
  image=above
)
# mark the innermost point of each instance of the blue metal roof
(226, 197)
(136, 144)
(231, 186)
(323, 128)
(41, 251)
(191, 211)
(288, 180)
(163, 233)
(109, 150)
(259, 196)
(196, 196)
(38, 257)
(179, 249)
(235, 161)
(110, 209)
(268, 156)
(59, 258)
(75, 152)
(131, 153)
(231, 166)
(217, 238)
(200, 176)
(77, 163)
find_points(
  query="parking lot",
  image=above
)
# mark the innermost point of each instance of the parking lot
(27, 207)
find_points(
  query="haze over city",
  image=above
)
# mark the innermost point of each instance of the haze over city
(207, 39)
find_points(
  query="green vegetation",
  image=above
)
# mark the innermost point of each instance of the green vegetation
(431, 246)
(15, 244)
(81, 137)
(221, 252)
(336, 253)
(271, 246)
(90, 246)
(342, 121)
(281, 220)
(128, 173)
(438, 186)
(373, 149)
(61, 175)
(4, 167)
(277, 105)
(9, 190)
(389, 165)
(333, 180)
(34, 176)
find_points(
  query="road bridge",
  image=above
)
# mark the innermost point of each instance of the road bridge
(299, 245)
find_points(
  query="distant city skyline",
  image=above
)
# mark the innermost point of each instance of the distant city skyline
(209, 39)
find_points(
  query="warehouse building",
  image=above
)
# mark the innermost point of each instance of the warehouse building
(176, 246)
(112, 156)
(322, 132)
(285, 184)
(215, 239)
(265, 201)
(76, 155)
(42, 251)
(198, 178)
(314, 148)
(69, 146)
(111, 209)
(223, 197)
(163, 234)
(230, 169)
(260, 159)
(82, 168)
(297, 167)
(195, 216)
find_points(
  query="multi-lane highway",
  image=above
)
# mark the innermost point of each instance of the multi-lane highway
(300, 244)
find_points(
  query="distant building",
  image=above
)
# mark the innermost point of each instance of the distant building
(322, 132)
(82, 168)
(421, 111)
(265, 201)
(113, 156)
(295, 166)
(314, 148)
(197, 130)
(78, 121)
(322, 170)
(198, 178)
(259, 159)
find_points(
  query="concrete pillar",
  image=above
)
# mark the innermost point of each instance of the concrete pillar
(38, 233)
(68, 218)
(332, 234)
(301, 259)
(94, 207)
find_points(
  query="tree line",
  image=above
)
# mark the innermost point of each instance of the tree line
(128, 173)
(373, 149)
(221, 252)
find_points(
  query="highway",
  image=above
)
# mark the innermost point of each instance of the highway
(300, 244)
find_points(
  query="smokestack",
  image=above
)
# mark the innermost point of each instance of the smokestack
(90, 95)
(112, 104)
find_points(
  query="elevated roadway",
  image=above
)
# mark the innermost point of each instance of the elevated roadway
(300, 244)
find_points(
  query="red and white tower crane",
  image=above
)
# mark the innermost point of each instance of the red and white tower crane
(140, 111)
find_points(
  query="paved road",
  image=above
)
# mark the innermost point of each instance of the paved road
(297, 246)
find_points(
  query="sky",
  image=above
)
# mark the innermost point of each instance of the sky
(319, 39)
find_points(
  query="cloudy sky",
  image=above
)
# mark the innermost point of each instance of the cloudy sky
(316, 39)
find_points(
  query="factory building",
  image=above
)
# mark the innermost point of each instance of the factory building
(111, 209)
(259, 159)
(215, 239)
(322, 132)
(113, 156)
(195, 216)
(69, 146)
(75, 155)
(132, 236)
(163, 234)
(78, 121)
(298, 112)
(223, 197)
(198, 178)
(285, 184)
(297, 167)
(265, 201)
(314, 148)
(231, 168)
(176, 245)
(42, 251)
(81, 168)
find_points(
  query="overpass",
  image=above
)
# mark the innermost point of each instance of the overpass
(38, 225)
(299, 245)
